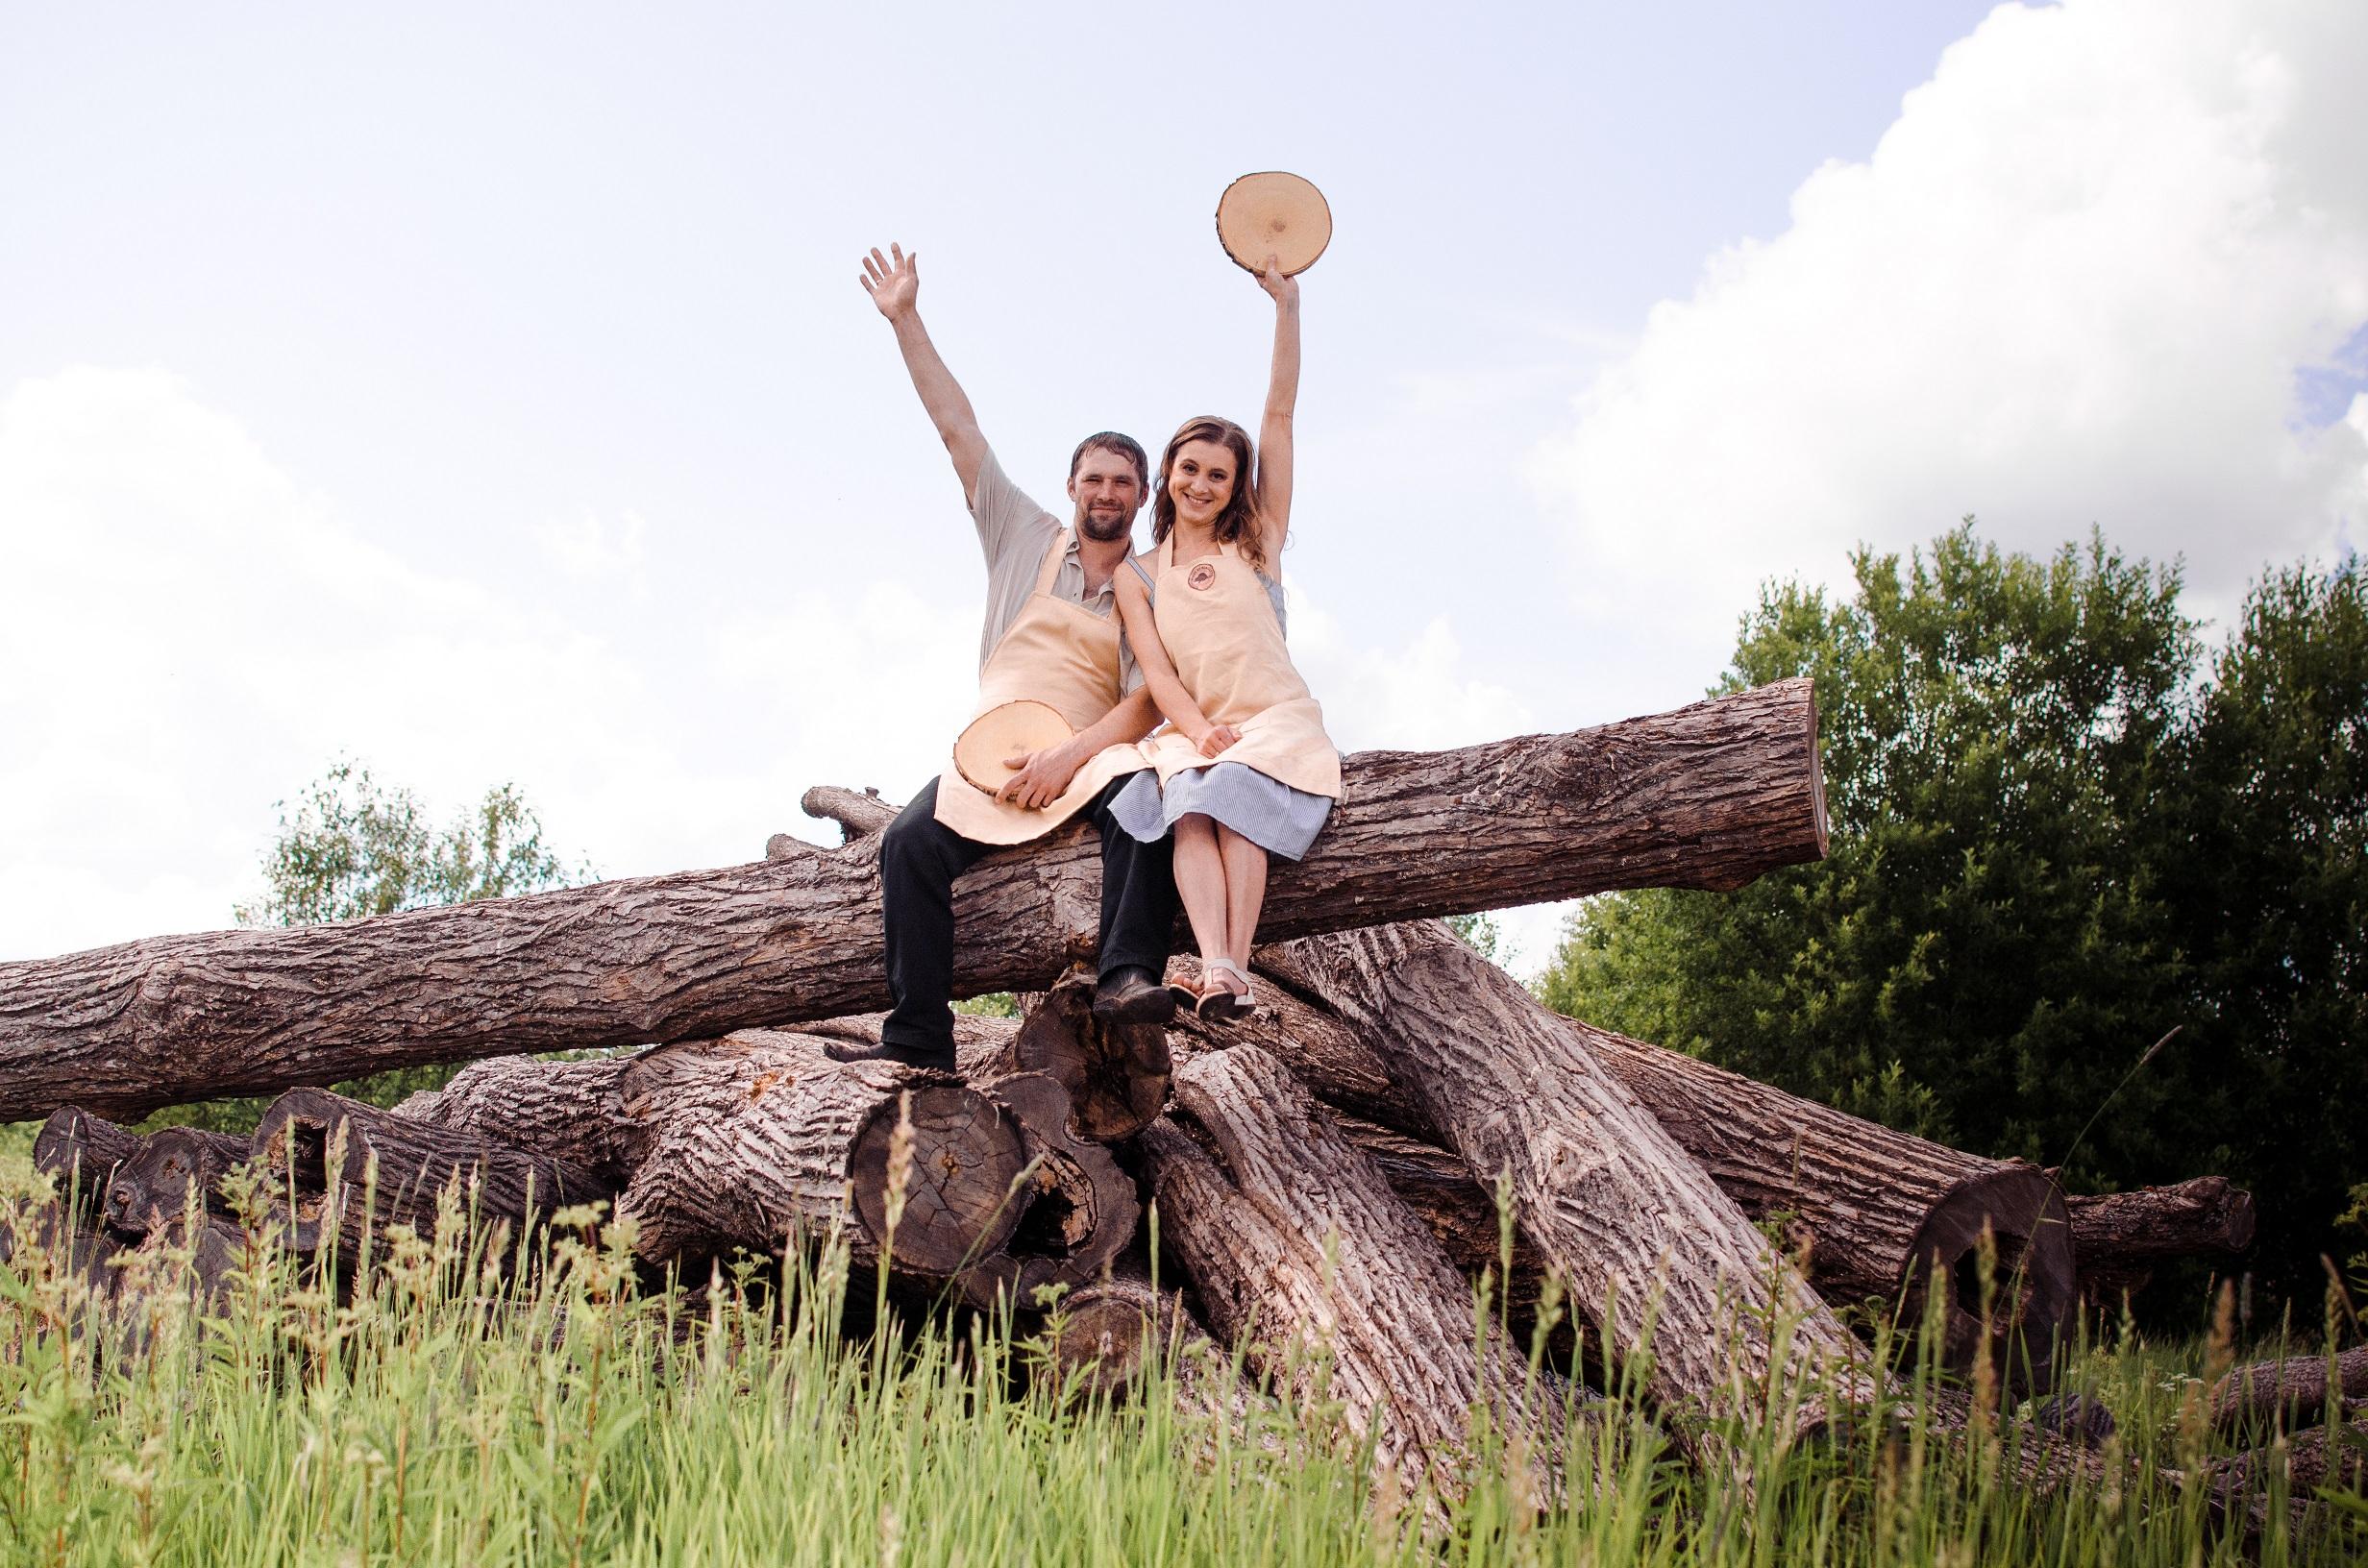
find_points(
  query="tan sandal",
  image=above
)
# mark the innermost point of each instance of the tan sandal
(1221, 1004)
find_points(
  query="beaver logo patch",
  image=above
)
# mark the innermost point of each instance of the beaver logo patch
(1202, 576)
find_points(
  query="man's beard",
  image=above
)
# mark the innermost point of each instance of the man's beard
(1105, 527)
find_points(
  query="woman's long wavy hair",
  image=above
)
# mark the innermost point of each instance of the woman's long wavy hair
(1238, 524)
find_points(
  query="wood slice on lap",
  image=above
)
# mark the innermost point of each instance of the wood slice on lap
(760, 1139)
(1611, 1201)
(1864, 1202)
(1711, 795)
(2291, 1393)
(392, 1169)
(151, 1187)
(572, 1110)
(1289, 1234)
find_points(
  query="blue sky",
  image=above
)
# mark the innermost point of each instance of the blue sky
(488, 396)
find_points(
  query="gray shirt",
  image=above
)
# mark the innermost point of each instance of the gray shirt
(1014, 533)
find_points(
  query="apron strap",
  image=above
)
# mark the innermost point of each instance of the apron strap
(1055, 554)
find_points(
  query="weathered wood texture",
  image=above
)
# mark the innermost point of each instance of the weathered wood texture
(339, 1165)
(1294, 1241)
(1107, 1334)
(152, 1186)
(1862, 1203)
(759, 1138)
(81, 1151)
(1607, 1196)
(1115, 1076)
(2291, 1393)
(572, 1110)
(1710, 796)
(2120, 1238)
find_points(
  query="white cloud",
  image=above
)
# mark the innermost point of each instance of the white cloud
(592, 547)
(1414, 697)
(2075, 283)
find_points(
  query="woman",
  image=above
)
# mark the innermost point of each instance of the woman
(1245, 769)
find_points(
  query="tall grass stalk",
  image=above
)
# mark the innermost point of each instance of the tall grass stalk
(481, 1397)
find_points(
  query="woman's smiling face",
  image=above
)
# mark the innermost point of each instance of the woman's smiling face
(1201, 479)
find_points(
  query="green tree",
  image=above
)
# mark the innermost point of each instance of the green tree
(2053, 841)
(353, 847)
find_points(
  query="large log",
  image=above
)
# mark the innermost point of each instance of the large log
(1710, 796)
(150, 1189)
(2291, 1393)
(573, 1110)
(1878, 1214)
(2120, 1238)
(1296, 1243)
(341, 1167)
(1650, 1246)
(760, 1138)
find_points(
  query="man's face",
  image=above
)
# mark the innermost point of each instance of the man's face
(1108, 495)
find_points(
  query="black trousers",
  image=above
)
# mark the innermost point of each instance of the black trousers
(921, 856)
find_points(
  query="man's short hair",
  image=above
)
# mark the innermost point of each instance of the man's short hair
(1111, 441)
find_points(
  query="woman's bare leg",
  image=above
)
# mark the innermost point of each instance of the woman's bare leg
(1200, 883)
(1245, 890)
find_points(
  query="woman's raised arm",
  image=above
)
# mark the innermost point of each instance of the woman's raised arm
(1275, 430)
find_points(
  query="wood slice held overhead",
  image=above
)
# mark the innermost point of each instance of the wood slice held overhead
(1277, 214)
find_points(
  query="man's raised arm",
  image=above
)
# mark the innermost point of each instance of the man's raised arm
(894, 282)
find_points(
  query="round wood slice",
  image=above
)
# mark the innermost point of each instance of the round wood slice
(1013, 729)
(1274, 214)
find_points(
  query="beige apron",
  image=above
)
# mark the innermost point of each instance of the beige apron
(1065, 656)
(1221, 635)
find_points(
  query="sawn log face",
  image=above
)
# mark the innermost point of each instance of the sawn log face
(1710, 796)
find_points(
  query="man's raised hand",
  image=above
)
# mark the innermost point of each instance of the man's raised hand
(893, 280)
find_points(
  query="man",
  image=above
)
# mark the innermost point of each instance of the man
(1051, 635)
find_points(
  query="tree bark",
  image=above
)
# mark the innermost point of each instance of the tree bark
(760, 1139)
(2119, 1238)
(83, 1151)
(339, 1166)
(1710, 796)
(1289, 1234)
(2291, 1393)
(1860, 1202)
(1608, 1197)
(572, 1110)
(151, 1186)
(1115, 1076)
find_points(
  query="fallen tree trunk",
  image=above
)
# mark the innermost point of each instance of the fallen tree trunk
(572, 1110)
(1710, 796)
(1295, 1242)
(151, 1186)
(2120, 1238)
(1608, 1197)
(759, 1138)
(339, 1166)
(1877, 1215)
(2291, 1393)
(81, 1151)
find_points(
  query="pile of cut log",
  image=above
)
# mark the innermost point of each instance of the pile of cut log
(1400, 1119)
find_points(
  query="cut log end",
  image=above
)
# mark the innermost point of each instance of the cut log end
(954, 1158)
(1116, 1076)
(2034, 1290)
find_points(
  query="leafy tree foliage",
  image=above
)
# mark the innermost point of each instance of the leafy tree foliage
(2058, 834)
(353, 847)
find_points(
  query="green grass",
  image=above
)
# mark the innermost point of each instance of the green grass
(447, 1415)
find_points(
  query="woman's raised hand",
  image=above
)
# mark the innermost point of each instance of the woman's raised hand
(893, 280)
(1284, 290)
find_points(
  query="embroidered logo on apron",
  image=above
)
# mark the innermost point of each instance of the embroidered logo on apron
(1201, 576)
